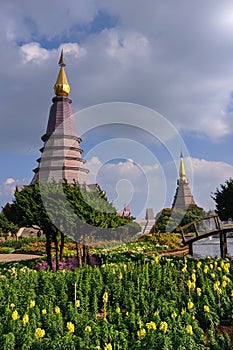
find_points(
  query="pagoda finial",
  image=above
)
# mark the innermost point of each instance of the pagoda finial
(182, 171)
(62, 87)
(62, 62)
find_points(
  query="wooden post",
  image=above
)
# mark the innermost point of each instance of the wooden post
(195, 228)
(190, 249)
(217, 222)
(223, 245)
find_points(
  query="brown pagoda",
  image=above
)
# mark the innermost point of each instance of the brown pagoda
(61, 156)
(183, 198)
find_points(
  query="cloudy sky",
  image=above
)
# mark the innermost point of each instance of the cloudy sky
(175, 58)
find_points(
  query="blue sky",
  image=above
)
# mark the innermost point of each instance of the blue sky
(173, 58)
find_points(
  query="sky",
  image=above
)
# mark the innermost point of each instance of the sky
(140, 64)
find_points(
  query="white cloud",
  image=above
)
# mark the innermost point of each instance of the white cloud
(126, 46)
(9, 181)
(7, 189)
(208, 175)
(126, 181)
(73, 49)
(34, 52)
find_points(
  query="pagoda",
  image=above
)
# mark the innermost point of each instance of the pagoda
(61, 155)
(183, 198)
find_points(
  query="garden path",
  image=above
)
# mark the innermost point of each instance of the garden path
(17, 257)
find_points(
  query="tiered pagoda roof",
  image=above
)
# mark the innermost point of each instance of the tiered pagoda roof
(183, 198)
(61, 156)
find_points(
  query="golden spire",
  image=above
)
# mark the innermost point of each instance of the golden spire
(182, 172)
(61, 87)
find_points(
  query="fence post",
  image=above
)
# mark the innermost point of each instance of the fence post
(223, 244)
(190, 249)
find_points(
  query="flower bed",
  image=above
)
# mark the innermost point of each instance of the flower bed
(166, 303)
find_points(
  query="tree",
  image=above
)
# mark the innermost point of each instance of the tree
(6, 225)
(223, 198)
(61, 208)
(168, 220)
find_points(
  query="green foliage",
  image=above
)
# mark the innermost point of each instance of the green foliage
(5, 224)
(61, 206)
(168, 220)
(169, 240)
(223, 198)
(166, 303)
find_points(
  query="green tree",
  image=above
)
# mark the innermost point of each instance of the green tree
(5, 224)
(61, 208)
(223, 198)
(167, 220)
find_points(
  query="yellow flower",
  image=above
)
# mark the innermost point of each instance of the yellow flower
(156, 313)
(151, 325)
(25, 319)
(39, 333)
(211, 266)
(212, 275)
(199, 292)
(156, 260)
(118, 310)
(141, 333)
(32, 303)
(88, 329)
(225, 278)
(12, 305)
(216, 287)
(227, 267)
(206, 268)
(174, 314)
(189, 284)
(189, 329)
(44, 312)
(190, 305)
(108, 347)
(140, 323)
(206, 308)
(199, 264)
(194, 277)
(184, 268)
(15, 315)
(232, 293)
(57, 310)
(70, 327)
(163, 326)
(224, 283)
(120, 276)
(105, 297)
(77, 303)
(183, 311)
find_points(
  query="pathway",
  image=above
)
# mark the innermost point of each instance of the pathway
(17, 257)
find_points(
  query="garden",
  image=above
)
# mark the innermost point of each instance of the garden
(127, 299)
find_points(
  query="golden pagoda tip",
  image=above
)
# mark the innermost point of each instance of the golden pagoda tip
(62, 87)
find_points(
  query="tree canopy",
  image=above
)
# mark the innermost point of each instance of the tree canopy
(167, 220)
(71, 209)
(223, 198)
